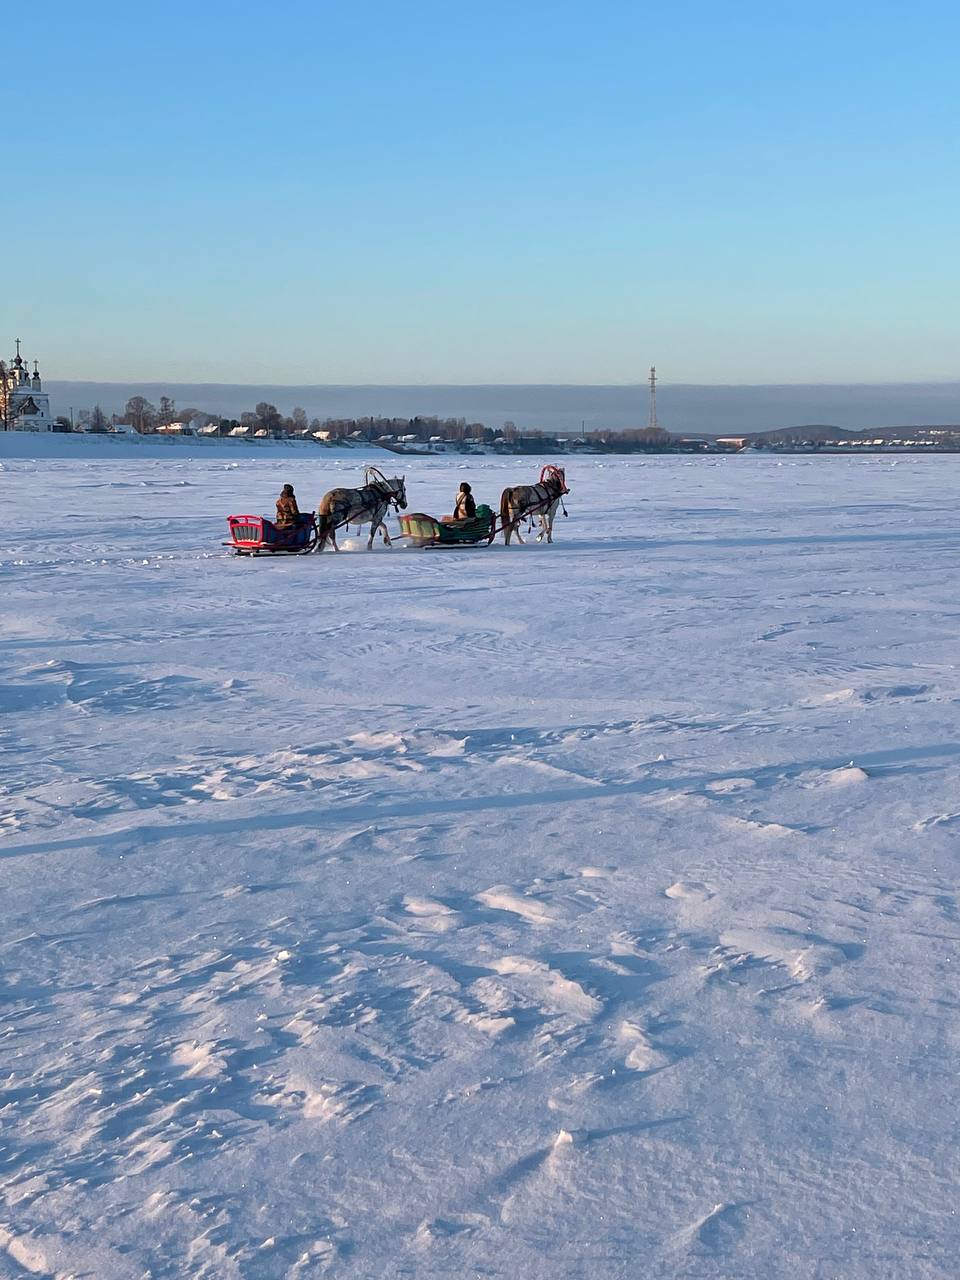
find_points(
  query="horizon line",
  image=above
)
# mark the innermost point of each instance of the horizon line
(915, 382)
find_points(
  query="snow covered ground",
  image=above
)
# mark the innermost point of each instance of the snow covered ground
(584, 911)
(130, 447)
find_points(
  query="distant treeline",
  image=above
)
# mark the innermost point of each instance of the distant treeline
(266, 420)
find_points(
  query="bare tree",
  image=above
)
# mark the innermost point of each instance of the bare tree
(268, 416)
(141, 414)
(99, 422)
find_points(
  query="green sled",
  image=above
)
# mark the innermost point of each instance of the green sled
(426, 531)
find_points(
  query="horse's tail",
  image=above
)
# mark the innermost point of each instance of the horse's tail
(326, 521)
(505, 508)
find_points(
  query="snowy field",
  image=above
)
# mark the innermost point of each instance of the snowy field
(574, 911)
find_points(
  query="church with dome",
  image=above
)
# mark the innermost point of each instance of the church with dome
(24, 405)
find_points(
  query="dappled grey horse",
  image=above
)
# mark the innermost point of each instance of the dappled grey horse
(533, 501)
(366, 505)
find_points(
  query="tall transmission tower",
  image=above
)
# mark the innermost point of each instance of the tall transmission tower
(652, 422)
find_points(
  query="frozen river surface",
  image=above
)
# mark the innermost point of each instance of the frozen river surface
(574, 911)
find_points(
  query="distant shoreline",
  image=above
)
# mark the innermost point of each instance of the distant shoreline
(683, 409)
(28, 444)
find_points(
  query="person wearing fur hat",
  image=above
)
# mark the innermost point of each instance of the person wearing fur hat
(287, 509)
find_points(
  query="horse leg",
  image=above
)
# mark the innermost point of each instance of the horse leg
(551, 516)
(512, 528)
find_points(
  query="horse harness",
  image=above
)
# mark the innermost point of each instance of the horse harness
(372, 493)
(538, 508)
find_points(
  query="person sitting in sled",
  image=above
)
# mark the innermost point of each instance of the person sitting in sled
(466, 507)
(287, 509)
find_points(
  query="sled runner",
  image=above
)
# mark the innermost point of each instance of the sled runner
(259, 535)
(426, 531)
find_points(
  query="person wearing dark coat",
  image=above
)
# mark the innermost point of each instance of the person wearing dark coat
(466, 507)
(287, 509)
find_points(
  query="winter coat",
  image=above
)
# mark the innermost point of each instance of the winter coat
(466, 507)
(287, 511)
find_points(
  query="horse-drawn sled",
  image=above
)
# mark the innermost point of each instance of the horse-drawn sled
(340, 508)
(427, 531)
(524, 504)
(259, 535)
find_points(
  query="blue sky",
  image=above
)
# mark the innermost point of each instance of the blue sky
(506, 192)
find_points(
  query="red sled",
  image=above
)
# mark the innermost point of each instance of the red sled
(260, 536)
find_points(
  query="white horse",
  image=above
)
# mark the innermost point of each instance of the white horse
(367, 505)
(532, 502)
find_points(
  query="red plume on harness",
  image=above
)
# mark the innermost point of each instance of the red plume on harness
(550, 472)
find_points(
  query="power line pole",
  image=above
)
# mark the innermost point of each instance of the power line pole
(653, 424)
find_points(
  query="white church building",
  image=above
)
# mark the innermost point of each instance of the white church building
(24, 405)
